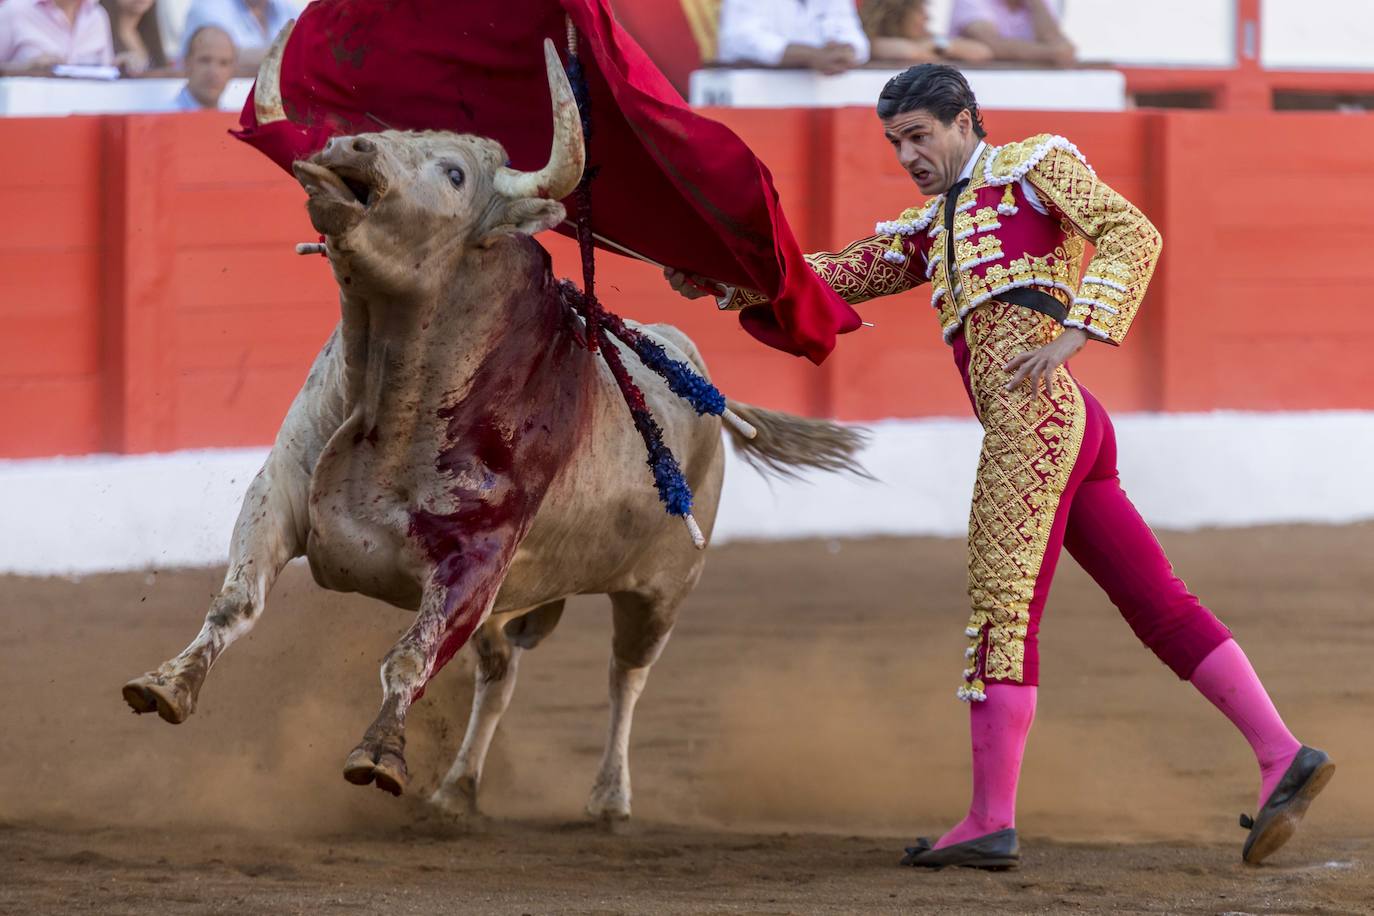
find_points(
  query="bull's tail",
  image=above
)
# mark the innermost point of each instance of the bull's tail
(786, 444)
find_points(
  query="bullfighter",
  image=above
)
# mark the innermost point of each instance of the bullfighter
(1001, 242)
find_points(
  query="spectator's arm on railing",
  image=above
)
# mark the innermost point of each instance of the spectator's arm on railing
(905, 50)
(929, 50)
(1049, 34)
(835, 57)
(841, 25)
(967, 50)
(42, 65)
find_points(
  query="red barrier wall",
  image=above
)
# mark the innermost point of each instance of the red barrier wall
(151, 301)
(51, 251)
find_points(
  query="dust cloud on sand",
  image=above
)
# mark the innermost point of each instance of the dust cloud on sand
(800, 727)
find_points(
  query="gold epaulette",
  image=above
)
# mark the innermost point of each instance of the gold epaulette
(912, 221)
(1010, 163)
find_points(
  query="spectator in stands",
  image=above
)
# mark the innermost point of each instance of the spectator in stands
(822, 35)
(899, 31)
(37, 35)
(137, 41)
(250, 24)
(1024, 30)
(210, 59)
(171, 22)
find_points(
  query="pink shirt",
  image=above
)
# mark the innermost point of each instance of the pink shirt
(30, 29)
(1011, 23)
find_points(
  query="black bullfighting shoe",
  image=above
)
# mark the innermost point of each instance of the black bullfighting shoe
(996, 852)
(1305, 777)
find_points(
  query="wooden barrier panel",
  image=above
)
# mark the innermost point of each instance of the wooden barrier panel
(151, 299)
(220, 318)
(50, 287)
(1268, 223)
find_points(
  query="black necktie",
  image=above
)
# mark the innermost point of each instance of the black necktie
(951, 202)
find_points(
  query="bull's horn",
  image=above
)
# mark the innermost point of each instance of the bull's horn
(556, 180)
(267, 93)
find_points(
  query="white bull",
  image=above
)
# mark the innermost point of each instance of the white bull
(457, 452)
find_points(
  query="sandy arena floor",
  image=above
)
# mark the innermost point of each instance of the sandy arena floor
(800, 727)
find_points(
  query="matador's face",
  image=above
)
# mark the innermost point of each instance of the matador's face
(931, 152)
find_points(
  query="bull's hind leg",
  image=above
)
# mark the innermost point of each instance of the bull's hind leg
(498, 659)
(642, 626)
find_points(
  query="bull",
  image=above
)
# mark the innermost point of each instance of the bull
(456, 450)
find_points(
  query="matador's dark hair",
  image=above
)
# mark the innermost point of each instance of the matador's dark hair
(938, 88)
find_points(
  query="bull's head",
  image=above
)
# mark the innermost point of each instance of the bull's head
(392, 201)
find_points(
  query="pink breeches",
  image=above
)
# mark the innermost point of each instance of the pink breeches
(1046, 480)
(1107, 537)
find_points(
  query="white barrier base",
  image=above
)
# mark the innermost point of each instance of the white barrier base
(26, 96)
(102, 513)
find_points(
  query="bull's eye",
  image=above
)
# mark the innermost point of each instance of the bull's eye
(455, 177)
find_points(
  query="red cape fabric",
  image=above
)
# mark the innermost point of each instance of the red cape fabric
(672, 185)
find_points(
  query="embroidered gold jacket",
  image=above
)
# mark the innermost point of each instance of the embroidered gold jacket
(1001, 242)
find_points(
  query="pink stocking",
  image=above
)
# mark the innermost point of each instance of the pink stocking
(998, 726)
(1226, 678)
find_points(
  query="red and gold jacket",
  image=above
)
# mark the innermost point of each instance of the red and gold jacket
(1001, 242)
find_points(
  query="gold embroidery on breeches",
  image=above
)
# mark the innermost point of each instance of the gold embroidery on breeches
(1029, 449)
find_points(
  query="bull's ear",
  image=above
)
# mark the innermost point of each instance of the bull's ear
(527, 215)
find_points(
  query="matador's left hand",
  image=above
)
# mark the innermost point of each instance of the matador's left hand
(1038, 365)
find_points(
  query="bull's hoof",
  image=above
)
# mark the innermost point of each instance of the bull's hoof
(609, 807)
(613, 820)
(368, 764)
(610, 798)
(609, 817)
(457, 801)
(433, 817)
(170, 698)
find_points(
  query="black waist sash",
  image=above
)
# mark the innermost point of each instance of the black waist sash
(1035, 299)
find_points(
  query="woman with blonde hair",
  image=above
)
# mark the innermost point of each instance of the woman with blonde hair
(899, 31)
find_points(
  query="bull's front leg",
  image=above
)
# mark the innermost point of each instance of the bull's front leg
(271, 529)
(266, 537)
(453, 606)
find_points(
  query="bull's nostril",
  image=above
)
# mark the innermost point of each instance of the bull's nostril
(363, 145)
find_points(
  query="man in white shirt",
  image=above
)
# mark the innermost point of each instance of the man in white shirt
(822, 35)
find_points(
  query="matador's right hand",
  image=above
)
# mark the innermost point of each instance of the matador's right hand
(690, 286)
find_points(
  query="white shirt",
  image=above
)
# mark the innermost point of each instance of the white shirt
(34, 29)
(171, 23)
(1031, 197)
(758, 31)
(184, 101)
(234, 17)
(172, 16)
